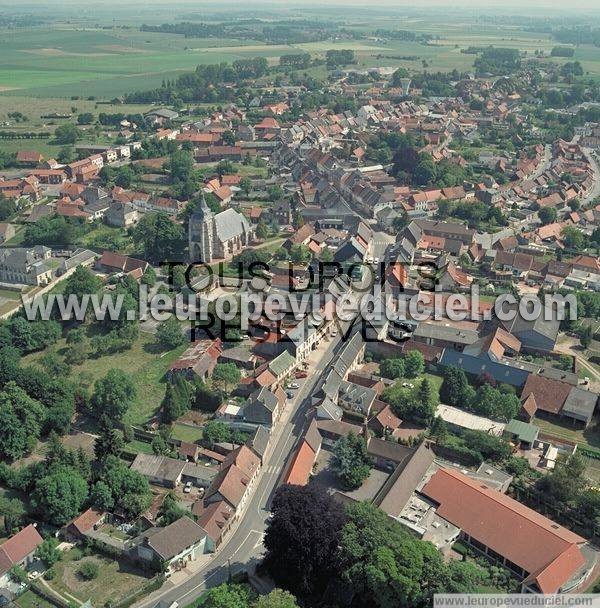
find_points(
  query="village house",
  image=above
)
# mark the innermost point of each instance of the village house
(18, 550)
(171, 548)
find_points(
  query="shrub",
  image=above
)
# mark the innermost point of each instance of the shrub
(88, 571)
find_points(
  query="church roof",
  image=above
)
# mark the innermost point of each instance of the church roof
(230, 223)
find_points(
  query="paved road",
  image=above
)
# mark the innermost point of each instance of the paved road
(243, 547)
(595, 191)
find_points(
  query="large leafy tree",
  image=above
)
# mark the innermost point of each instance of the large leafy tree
(113, 395)
(130, 491)
(226, 376)
(12, 510)
(82, 281)
(227, 596)
(278, 598)
(383, 564)
(169, 334)
(21, 418)
(60, 495)
(302, 539)
(159, 238)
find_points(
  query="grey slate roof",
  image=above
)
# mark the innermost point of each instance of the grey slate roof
(230, 223)
(176, 537)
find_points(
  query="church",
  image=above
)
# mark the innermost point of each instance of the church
(213, 236)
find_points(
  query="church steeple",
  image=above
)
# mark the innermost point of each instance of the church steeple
(200, 233)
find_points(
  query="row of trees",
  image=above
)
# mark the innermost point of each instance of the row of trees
(498, 403)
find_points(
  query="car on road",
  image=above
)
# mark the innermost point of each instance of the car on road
(290, 394)
(294, 385)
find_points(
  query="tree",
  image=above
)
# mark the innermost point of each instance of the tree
(573, 238)
(48, 552)
(170, 407)
(400, 222)
(547, 215)
(149, 277)
(215, 431)
(392, 368)
(425, 173)
(455, 389)
(12, 511)
(170, 510)
(565, 483)
(8, 207)
(425, 392)
(262, 230)
(414, 364)
(301, 539)
(66, 134)
(86, 118)
(88, 570)
(382, 564)
(586, 336)
(60, 495)
(490, 402)
(169, 334)
(82, 282)
(351, 461)
(113, 395)
(160, 239)
(278, 598)
(326, 255)
(246, 185)
(226, 376)
(108, 443)
(66, 155)
(130, 490)
(300, 254)
(227, 596)
(21, 418)
(101, 497)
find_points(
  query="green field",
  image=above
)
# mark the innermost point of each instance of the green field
(142, 362)
(53, 64)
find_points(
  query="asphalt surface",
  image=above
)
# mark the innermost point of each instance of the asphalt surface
(243, 547)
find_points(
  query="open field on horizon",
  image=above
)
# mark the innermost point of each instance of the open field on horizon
(43, 68)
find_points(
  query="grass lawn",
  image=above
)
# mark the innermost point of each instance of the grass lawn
(186, 433)
(117, 579)
(139, 447)
(142, 362)
(30, 599)
(107, 237)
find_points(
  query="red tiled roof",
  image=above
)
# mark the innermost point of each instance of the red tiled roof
(301, 466)
(548, 552)
(550, 395)
(18, 547)
(87, 520)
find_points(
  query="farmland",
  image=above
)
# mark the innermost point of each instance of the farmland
(51, 69)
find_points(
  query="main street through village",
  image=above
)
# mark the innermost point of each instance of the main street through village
(243, 547)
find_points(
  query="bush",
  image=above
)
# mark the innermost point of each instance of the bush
(50, 574)
(88, 571)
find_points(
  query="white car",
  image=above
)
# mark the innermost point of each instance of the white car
(333, 334)
(187, 488)
(294, 385)
(408, 385)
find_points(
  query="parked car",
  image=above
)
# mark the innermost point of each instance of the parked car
(187, 488)
(294, 385)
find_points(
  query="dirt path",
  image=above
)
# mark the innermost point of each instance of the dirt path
(68, 599)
